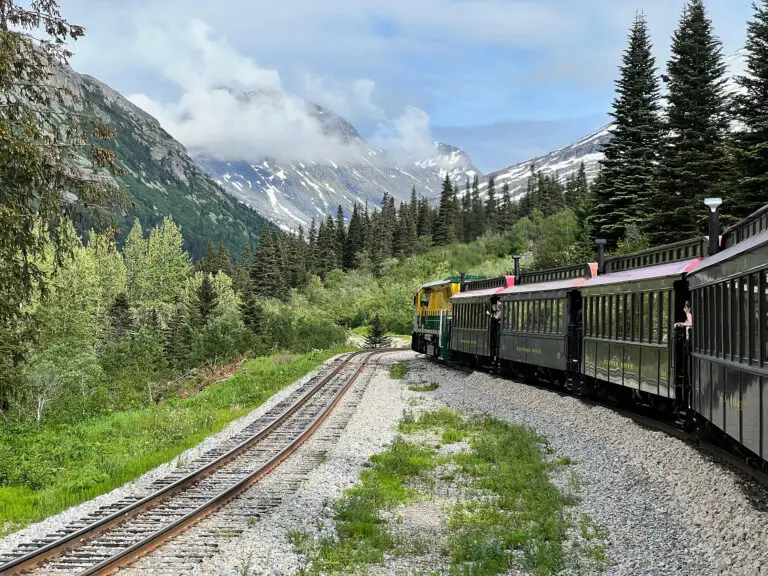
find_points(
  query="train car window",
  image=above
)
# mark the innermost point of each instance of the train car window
(603, 323)
(635, 317)
(735, 330)
(744, 313)
(588, 316)
(598, 316)
(754, 319)
(664, 317)
(653, 315)
(548, 316)
(553, 308)
(764, 323)
(717, 313)
(724, 307)
(620, 317)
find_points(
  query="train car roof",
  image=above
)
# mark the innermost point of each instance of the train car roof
(436, 283)
(670, 269)
(479, 294)
(557, 285)
(741, 250)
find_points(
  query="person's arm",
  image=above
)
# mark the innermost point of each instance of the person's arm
(688, 320)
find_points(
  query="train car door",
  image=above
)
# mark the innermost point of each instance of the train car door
(574, 327)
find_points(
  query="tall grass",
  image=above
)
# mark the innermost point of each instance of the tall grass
(44, 471)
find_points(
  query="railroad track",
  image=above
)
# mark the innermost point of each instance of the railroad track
(117, 535)
(728, 457)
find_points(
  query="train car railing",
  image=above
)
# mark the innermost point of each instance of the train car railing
(500, 282)
(676, 252)
(552, 274)
(750, 226)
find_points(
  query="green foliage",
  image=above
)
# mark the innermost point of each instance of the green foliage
(398, 371)
(375, 337)
(362, 536)
(628, 184)
(694, 162)
(52, 164)
(45, 470)
(751, 109)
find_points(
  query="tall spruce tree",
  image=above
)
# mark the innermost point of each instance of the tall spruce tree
(694, 163)
(207, 300)
(444, 231)
(376, 335)
(751, 109)
(267, 275)
(628, 170)
(491, 209)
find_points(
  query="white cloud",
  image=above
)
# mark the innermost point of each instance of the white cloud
(232, 109)
(409, 134)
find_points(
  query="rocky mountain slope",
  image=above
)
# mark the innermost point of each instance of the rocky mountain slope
(292, 193)
(161, 179)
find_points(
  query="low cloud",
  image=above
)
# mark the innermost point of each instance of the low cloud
(407, 136)
(232, 109)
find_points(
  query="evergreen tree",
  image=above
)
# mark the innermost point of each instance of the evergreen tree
(444, 229)
(354, 242)
(426, 216)
(207, 300)
(267, 278)
(507, 216)
(341, 236)
(751, 108)
(628, 183)
(312, 265)
(694, 163)
(253, 312)
(478, 212)
(121, 318)
(177, 339)
(375, 337)
(490, 206)
(466, 210)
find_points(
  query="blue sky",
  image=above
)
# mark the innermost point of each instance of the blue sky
(504, 80)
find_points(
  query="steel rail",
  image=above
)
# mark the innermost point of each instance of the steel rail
(94, 529)
(129, 555)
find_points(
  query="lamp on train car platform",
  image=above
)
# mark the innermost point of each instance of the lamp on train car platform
(714, 224)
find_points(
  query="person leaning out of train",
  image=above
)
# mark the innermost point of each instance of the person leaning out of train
(688, 320)
(495, 312)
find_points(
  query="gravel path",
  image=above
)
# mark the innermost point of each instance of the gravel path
(140, 485)
(669, 510)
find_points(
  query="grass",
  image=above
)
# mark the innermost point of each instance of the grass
(508, 514)
(362, 537)
(44, 471)
(398, 371)
(423, 387)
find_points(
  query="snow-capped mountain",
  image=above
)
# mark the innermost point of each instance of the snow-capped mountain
(291, 193)
(565, 161)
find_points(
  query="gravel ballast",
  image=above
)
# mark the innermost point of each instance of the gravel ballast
(50, 525)
(668, 509)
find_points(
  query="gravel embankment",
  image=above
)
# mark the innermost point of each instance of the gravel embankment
(669, 510)
(140, 485)
(265, 547)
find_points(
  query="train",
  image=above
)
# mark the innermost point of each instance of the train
(619, 329)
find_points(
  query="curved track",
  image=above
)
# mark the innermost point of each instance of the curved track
(117, 535)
